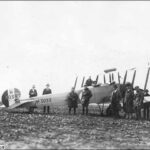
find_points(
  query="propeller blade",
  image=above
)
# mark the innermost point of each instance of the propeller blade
(82, 81)
(97, 79)
(110, 78)
(147, 76)
(125, 78)
(104, 79)
(133, 79)
(75, 82)
(118, 78)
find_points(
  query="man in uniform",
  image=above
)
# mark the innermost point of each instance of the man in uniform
(89, 81)
(33, 92)
(47, 90)
(115, 101)
(85, 99)
(129, 97)
(72, 100)
(138, 102)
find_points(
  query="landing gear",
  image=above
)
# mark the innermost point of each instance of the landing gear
(46, 109)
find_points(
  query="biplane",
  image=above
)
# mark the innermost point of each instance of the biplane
(101, 94)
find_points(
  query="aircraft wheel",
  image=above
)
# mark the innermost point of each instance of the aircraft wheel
(31, 109)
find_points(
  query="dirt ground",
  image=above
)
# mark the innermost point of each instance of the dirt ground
(59, 130)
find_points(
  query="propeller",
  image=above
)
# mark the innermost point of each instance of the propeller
(82, 81)
(75, 83)
(147, 76)
(133, 79)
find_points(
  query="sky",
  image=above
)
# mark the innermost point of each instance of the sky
(54, 41)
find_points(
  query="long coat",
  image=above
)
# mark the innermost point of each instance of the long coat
(86, 95)
(115, 100)
(138, 102)
(72, 100)
(129, 97)
(47, 91)
(32, 93)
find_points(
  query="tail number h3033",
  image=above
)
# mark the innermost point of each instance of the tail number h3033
(43, 101)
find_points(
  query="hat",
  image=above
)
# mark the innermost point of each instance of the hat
(72, 88)
(137, 87)
(115, 86)
(47, 84)
(128, 84)
(146, 90)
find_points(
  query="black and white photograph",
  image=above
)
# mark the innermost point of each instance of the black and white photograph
(74, 75)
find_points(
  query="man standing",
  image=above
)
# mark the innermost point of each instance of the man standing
(85, 99)
(129, 97)
(115, 101)
(146, 105)
(47, 90)
(139, 97)
(72, 100)
(33, 92)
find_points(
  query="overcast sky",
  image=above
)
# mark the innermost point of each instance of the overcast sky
(54, 41)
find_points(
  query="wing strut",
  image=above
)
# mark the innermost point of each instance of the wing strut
(96, 79)
(75, 82)
(147, 76)
(110, 78)
(125, 78)
(82, 81)
(118, 78)
(133, 79)
(104, 79)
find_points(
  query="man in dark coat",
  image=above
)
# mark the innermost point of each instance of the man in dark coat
(146, 105)
(47, 90)
(33, 92)
(85, 99)
(89, 81)
(129, 97)
(138, 102)
(115, 101)
(72, 100)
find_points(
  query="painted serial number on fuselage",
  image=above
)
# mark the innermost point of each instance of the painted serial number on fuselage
(43, 101)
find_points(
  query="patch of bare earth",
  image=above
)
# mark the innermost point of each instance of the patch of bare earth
(59, 130)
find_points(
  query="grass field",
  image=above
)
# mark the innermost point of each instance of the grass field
(59, 130)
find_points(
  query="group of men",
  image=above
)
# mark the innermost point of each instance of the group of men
(33, 91)
(73, 99)
(132, 101)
